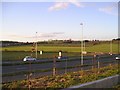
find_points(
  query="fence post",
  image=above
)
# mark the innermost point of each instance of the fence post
(54, 66)
(66, 66)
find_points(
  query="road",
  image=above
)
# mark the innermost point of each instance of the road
(74, 62)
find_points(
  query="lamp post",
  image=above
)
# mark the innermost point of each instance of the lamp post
(111, 47)
(36, 45)
(118, 45)
(82, 44)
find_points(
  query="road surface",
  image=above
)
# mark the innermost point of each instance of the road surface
(74, 62)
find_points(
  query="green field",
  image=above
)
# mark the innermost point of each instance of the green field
(19, 52)
(105, 47)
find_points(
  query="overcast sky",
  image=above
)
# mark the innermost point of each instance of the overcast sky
(59, 20)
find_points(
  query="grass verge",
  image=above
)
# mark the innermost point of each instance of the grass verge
(65, 80)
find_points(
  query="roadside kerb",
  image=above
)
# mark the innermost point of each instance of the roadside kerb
(108, 82)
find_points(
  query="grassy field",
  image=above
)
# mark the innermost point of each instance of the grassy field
(19, 52)
(89, 48)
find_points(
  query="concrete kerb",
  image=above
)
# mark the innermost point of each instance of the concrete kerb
(108, 82)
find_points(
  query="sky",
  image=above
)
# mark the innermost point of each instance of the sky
(39, 21)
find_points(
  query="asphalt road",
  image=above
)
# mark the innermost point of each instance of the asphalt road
(69, 63)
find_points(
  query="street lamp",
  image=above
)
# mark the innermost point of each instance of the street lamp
(111, 47)
(82, 44)
(36, 45)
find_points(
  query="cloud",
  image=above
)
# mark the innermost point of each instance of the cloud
(50, 35)
(76, 3)
(58, 6)
(106, 9)
(109, 9)
(39, 35)
(56, 33)
(30, 37)
(64, 5)
(45, 35)
(16, 36)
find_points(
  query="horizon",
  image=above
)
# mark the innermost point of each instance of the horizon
(59, 20)
(54, 40)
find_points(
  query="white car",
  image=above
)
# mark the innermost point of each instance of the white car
(62, 58)
(29, 58)
(117, 58)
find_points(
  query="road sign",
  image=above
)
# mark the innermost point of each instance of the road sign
(60, 54)
(41, 52)
(84, 52)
